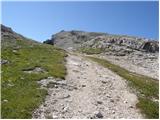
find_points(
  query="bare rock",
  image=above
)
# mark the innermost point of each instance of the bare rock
(98, 114)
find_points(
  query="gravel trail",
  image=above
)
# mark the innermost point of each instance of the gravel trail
(89, 91)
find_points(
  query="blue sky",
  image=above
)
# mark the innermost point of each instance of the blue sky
(39, 20)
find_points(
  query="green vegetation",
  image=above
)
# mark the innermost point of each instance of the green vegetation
(20, 92)
(90, 50)
(147, 88)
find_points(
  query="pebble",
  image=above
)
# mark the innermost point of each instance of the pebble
(14, 51)
(65, 109)
(98, 114)
(4, 61)
(111, 100)
(125, 101)
(99, 102)
(50, 77)
(83, 85)
(65, 96)
(113, 112)
(10, 85)
(104, 82)
(131, 106)
(54, 116)
(5, 100)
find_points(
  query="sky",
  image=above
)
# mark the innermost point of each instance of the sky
(40, 20)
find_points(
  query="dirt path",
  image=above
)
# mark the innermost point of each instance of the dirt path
(89, 91)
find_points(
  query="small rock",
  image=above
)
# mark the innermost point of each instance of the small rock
(75, 71)
(104, 82)
(50, 77)
(5, 100)
(113, 112)
(83, 85)
(56, 86)
(4, 61)
(125, 101)
(54, 116)
(65, 109)
(22, 78)
(99, 102)
(14, 51)
(98, 114)
(131, 106)
(111, 100)
(10, 85)
(65, 96)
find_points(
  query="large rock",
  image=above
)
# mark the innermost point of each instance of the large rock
(150, 46)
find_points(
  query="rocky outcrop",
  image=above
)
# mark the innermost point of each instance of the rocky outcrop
(150, 46)
(7, 32)
(72, 39)
(119, 44)
(49, 42)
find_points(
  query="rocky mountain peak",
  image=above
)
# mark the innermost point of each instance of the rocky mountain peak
(80, 39)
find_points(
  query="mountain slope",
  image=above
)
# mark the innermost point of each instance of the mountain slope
(103, 41)
(23, 63)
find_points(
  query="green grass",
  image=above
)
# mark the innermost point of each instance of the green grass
(147, 88)
(24, 96)
(90, 50)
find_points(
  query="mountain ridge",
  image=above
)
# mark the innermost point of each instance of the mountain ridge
(79, 39)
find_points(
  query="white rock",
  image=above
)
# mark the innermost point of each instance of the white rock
(54, 116)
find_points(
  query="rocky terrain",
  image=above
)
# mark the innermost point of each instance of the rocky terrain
(46, 82)
(115, 44)
(136, 54)
(23, 63)
(89, 91)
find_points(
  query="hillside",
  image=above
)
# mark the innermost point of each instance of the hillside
(136, 54)
(23, 63)
(80, 75)
(117, 44)
(133, 59)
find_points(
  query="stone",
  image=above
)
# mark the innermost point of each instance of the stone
(65, 109)
(98, 114)
(5, 100)
(131, 106)
(112, 100)
(113, 112)
(99, 102)
(50, 77)
(65, 96)
(104, 82)
(54, 116)
(10, 85)
(4, 61)
(83, 85)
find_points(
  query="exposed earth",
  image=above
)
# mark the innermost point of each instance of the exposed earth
(89, 91)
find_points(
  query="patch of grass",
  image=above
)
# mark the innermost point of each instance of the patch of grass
(90, 50)
(147, 88)
(150, 108)
(20, 91)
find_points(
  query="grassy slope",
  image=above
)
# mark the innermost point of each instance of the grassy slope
(19, 100)
(147, 88)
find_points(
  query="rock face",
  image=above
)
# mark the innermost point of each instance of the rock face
(7, 32)
(10, 38)
(151, 46)
(73, 40)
